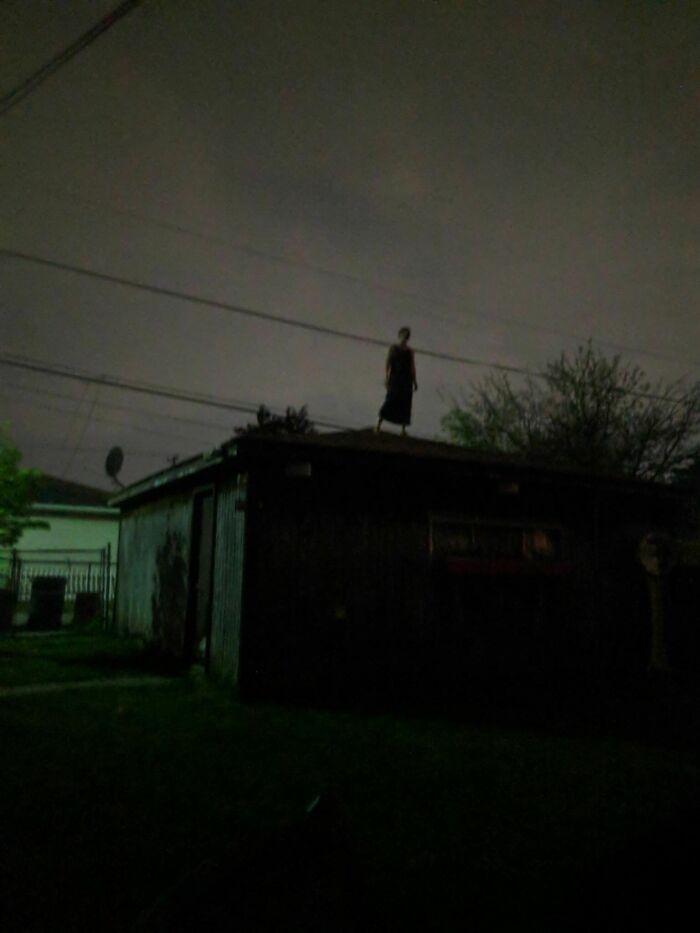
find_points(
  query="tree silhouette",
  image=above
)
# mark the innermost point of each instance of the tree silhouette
(588, 410)
(292, 422)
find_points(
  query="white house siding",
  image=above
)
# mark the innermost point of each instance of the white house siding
(72, 528)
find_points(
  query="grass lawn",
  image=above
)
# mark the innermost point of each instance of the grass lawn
(65, 655)
(178, 808)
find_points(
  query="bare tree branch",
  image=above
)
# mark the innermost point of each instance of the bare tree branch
(591, 411)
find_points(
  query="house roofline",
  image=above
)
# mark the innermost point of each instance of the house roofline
(103, 511)
(432, 451)
(168, 477)
(367, 444)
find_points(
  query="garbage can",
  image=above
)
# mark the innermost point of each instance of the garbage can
(87, 608)
(46, 603)
(7, 605)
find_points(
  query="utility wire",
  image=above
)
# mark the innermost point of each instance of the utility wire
(22, 90)
(316, 269)
(73, 418)
(251, 313)
(110, 406)
(350, 278)
(128, 427)
(143, 388)
(244, 405)
(81, 435)
(155, 454)
(91, 417)
(287, 321)
(123, 9)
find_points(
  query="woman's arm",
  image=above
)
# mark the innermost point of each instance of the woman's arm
(413, 369)
(389, 359)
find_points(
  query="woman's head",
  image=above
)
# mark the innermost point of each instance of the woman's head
(405, 334)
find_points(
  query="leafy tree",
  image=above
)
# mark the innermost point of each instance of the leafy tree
(17, 493)
(292, 422)
(587, 410)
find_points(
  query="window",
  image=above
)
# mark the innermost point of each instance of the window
(479, 540)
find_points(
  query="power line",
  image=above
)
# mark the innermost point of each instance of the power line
(258, 253)
(290, 322)
(130, 409)
(155, 454)
(22, 90)
(249, 312)
(168, 435)
(144, 388)
(73, 419)
(87, 380)
(122, 10)
(81, 435)
(187, 441)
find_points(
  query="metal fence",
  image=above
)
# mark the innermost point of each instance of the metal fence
(84, 571)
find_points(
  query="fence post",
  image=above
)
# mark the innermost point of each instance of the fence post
(105, 588)
(14, 574)
(102, 586)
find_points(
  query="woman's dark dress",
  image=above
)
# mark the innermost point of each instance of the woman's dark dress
(397, 405)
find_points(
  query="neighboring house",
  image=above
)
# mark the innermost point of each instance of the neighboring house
(347, 561)
(79, 516)
(79, 541)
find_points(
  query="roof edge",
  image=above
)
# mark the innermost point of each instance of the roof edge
(367, 443)
(167, 477)
(105, 511)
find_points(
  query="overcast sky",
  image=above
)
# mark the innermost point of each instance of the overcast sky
(507, 178)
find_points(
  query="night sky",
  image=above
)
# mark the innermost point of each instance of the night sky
(507, 178)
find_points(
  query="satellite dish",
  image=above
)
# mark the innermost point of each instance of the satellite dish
(113, 463)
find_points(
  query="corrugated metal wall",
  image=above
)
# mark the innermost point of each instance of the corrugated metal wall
(228, 580)
(153, 564)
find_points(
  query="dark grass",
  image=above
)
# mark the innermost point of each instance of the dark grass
(74, 655)
(178, 808)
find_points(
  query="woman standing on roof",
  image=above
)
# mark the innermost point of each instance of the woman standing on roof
(400, 383)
